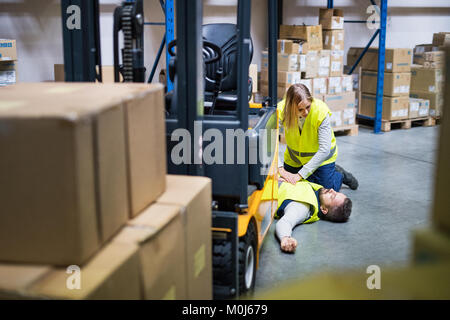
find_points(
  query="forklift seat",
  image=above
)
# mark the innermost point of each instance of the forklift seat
(224, 35)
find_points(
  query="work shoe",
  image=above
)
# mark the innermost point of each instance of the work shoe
(349, 180)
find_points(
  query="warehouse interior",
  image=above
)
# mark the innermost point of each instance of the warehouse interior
(92, 189)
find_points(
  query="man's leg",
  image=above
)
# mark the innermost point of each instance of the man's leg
(327, 176)
(294, 214)
(349, 179)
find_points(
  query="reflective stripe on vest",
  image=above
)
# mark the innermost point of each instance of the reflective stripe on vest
(312, 154)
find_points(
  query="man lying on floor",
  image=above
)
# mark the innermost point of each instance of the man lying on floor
(307, 202)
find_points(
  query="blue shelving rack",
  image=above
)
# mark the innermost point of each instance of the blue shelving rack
(381, 33)
(168, 9)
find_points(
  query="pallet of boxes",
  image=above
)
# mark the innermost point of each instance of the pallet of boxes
(397, 107)
(88, 211)
(8, 62)
(428, 73)
(313, 57)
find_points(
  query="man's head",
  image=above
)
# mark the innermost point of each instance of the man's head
(335, 206)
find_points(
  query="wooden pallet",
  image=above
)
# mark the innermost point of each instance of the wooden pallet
(386, 126)
(350, 130)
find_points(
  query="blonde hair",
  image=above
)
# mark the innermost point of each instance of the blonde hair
(295, 94)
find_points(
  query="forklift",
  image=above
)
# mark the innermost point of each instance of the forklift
(209, 68)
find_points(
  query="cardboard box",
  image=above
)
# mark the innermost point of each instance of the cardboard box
(349, 116)
(312, 65)
(253, 74)
(418, 108)
(331, 18)
(434, 56)
(394, 108)
(113, 274)
(319, 86)
(336, 118)
(75, 141)
(336, 63)
(395, 84)
(286, 46)
(311, 34)
(15, 279)
(283, 77)
(333, 40)
(288, 62)
(193, 195)
(8, 73)
(281, 89)
(347, 83)
(344, 100)
(431, 245)
(334, 85)
(436, 101)
(419, 51)
(396, 60)
(427, 80)
(8, 50)
(159, 234)
(441, 39)
(324, 63)
(107, 73)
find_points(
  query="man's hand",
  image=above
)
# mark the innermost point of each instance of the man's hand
(289, 177)
(288, 244)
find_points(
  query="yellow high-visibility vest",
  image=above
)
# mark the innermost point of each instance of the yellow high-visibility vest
(301, 147)
(303, 191)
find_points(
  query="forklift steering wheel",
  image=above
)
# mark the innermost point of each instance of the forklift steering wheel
(212, 51)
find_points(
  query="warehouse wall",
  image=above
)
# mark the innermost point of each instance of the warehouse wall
(37, 27)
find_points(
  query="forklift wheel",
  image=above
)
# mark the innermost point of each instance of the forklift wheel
(247, 260)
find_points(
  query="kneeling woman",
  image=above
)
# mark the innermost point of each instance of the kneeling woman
(311, 145)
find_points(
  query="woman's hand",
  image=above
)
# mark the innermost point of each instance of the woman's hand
(289, 177)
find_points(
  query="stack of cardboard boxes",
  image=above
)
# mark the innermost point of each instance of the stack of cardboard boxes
(8, 62)
(88, 211)
(428, 72)
(397, 81)
(314, 57)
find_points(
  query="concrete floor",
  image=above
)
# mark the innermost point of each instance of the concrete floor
(396, 172)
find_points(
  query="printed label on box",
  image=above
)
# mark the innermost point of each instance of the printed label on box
(389, 65)
(431, 88)
(335, 66)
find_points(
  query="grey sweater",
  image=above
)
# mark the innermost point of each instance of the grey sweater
(325, 136)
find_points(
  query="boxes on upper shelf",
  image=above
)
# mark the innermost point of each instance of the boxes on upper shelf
(8, 50)
(441, 39)
(311, 34)
(331, 18)
(396, 60)
(395, 84)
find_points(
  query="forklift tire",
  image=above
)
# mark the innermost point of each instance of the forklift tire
(222, 262)
(247, 260)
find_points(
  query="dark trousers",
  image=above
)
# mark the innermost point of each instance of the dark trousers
(326, 176)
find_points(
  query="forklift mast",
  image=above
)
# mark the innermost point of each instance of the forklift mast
(129, 18)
